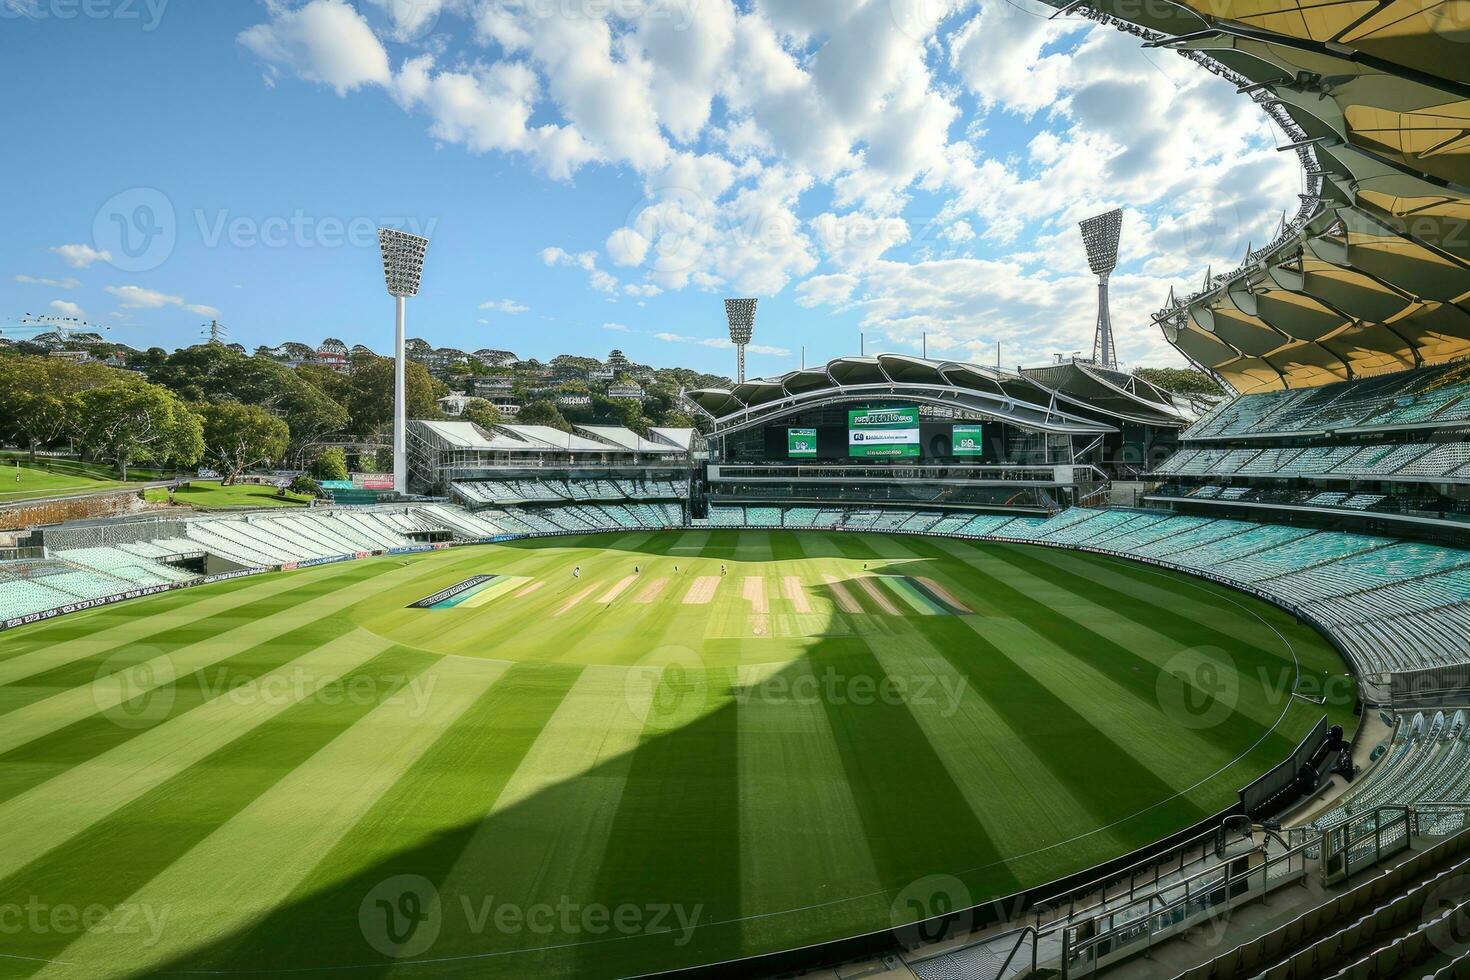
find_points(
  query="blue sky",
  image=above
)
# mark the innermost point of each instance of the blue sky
(600, 173)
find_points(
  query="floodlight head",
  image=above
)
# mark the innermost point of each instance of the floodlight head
(1100, 236)
(741, 314)
(403, 260)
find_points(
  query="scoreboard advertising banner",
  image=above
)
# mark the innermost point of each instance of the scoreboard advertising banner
(801, 443)
(968, 440)
(883, 433)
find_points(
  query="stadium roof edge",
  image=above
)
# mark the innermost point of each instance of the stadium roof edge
(976, 388)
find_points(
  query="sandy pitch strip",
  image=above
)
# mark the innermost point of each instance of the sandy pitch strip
(618, 589)
(875, 592)
(755, 594)
(653, 591)
(844, 598)
(702, 592)
(791, 586)
(945, 594)
(529, 589)
(576, 600)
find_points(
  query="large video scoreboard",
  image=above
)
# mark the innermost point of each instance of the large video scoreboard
(884, 433)
(879, 433)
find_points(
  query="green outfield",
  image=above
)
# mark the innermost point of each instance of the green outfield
(599, 756)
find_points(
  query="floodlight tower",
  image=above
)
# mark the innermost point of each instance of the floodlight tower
(403, 265)
(741, 314)
(1100, 235)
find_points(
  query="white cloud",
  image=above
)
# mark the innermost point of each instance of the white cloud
(67, 283)
(139, 298)
(614, 326)
(63, 308)
(598, 279)
(959, 232)
(81, 256)
(770, 134)
(854, 239)
(507, 306)
(627, 247)
(325, 41)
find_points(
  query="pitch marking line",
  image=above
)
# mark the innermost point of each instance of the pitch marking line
(796, 594)
(870, 586)
(618, 589)
(576, 600)
(652, 591)
(755, 594)
(702, 592)
(844, 598)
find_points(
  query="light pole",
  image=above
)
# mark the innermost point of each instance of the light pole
(1100, 236)
(741, 314)
(403, 265)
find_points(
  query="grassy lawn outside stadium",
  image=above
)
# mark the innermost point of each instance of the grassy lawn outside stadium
(604, 774)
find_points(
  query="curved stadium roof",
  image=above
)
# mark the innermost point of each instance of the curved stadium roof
(1071, 398)
(1373, 273)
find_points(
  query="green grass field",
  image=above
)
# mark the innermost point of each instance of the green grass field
(210, 494)
(22, 480)
(601, 775)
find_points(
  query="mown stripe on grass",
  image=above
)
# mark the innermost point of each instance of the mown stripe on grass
(111, 691)
(684, 776)
(32, 652)
(806, 871)
(1164, 607)
(420, 827)
(121, 620)
(211, 893)
(994, 764)
(916, 819)
(115, 856)
(47, 815)
(546, 835)
(35, 762)
(221, 629)
(1128, 669)
(1102, 772)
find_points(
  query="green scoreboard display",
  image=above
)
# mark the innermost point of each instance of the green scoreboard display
(883, 433)
(968, 440)
(801, 443)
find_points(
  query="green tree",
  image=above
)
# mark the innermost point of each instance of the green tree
(543, 413)
(130, 423)
(36, 405)
(237, 437)
(214, 372)
(330, 465)
(367, 393)
(482, 413)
